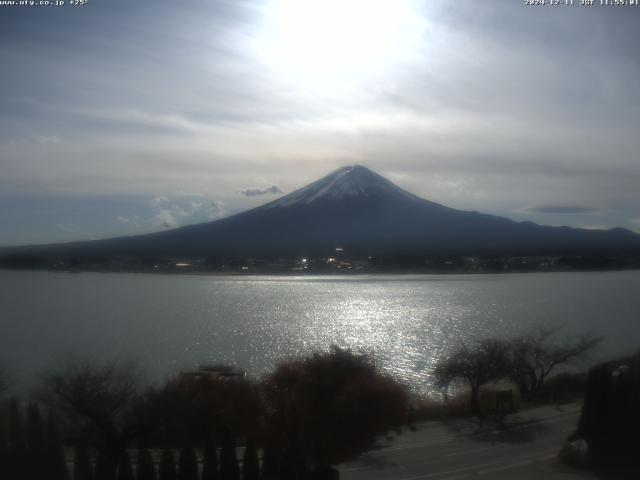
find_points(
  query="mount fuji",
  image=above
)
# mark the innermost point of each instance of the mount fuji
(361, 212)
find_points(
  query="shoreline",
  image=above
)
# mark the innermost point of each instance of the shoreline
(345, 274)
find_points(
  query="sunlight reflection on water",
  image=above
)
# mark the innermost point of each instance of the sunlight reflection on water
(407, 323)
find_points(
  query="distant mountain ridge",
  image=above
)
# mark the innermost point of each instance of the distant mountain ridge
(360, 211)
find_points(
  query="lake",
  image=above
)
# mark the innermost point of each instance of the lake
(407, 322)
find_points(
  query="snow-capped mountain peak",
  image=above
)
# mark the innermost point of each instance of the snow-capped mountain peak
(345, 182)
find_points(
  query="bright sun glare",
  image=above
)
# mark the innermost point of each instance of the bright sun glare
(335, 45)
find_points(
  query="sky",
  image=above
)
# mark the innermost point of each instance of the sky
(123, 117)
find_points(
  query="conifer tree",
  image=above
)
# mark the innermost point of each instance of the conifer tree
(10, 465)
(188, 464)
(250, 463)
(146, 471)
(82, 465)
(210, 461)
(229, 469)
(270, 462)
(35, 432)
(56, 464)
(103, 470)
(36, 457)
(168, 466)
(17, 446)
(3, 445)
(125, 471)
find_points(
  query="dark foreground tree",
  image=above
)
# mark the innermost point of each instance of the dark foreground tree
(4, 448)
(17, 445)
(56, 463)
(5, 381)
(188, 464)
(537, 354)
(270, 464)
(250, 463)
(104, 470)
(145, 470)
(610, 418)
(15, 458)
(329, 408)
(489, 361)
(82, 465)
(168, 465)
(35, 433)
(36, 457)
(210, 461)
(125, 472)
(4, 451)
(229, 469)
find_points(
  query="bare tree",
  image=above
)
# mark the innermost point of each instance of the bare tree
(489, 361)
(537, 354)
(98, 402)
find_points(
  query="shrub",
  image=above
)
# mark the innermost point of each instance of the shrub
(329, 408)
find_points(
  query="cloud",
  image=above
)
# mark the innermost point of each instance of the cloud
(45, 140)
(122, 219)
(216, 209)
(185, 210)
(182, 212)
(564, 209)
(166, 219)
(253, 192)
(159, 200)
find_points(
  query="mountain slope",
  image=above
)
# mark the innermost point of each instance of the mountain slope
(361, 211)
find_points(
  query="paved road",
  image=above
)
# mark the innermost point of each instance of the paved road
(520, 446)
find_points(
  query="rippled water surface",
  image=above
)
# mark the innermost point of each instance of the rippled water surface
(407, 322)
